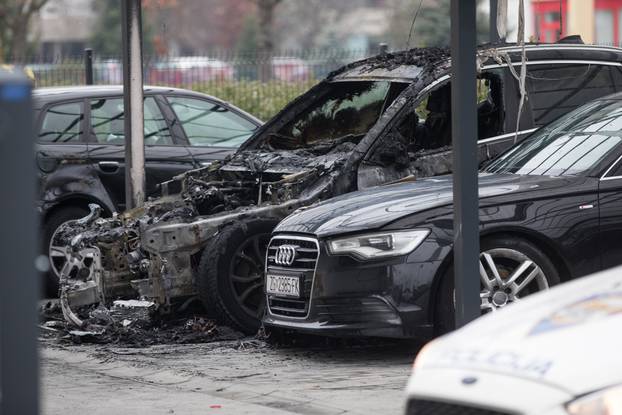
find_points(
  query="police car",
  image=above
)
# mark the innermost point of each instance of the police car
(556, 352)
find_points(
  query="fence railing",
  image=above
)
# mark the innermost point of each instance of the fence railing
(258, 83)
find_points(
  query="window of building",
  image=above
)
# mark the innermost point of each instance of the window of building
(604, 27)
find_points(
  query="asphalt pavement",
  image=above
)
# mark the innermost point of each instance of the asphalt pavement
(225, 377)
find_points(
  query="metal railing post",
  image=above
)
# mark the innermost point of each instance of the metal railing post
(88, 66)
(19, 366)
(465, 161)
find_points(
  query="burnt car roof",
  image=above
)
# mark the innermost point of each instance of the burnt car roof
(408, 64)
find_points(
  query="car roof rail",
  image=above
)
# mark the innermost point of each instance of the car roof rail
(575, 39)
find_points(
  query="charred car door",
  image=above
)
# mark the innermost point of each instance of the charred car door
(165, 155)
(211, 130)
(61, 153)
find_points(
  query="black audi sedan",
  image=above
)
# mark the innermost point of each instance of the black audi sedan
(80, 147)
(379, 262)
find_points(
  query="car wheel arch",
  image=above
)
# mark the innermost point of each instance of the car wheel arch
(77, 201)
(539, 240)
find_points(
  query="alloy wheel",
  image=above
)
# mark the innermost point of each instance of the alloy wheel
(507, 275)
(57, 253)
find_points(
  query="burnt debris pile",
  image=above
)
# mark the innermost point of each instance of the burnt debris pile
(131, 323)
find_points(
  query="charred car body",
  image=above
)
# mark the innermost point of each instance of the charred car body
(370, 123)
(80, 149)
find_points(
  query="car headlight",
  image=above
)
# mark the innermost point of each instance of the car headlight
(604, 402)
(378, 245)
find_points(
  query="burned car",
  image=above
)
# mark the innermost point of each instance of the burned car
(372, 122)
(80, 148)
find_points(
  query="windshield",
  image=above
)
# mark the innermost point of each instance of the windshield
(343, 110)
(571, 145)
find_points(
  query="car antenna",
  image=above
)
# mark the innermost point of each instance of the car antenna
(412, 25)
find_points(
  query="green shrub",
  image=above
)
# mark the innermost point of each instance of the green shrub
(262, 99)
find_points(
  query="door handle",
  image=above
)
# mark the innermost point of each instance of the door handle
(109, 166)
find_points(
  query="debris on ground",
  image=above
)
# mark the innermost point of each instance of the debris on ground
(132, 323)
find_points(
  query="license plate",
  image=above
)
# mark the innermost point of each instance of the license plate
(283, 285)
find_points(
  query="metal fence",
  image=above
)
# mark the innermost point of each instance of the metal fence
(258, 83)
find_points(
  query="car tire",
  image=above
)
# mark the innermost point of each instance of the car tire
(444, 320)
(230, 278)
(52, 223)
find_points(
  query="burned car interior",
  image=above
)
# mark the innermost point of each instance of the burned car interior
(373, 122)
(418, 142)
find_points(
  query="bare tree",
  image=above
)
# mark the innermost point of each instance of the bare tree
(15, 18)
(265, 12)
(265, 36)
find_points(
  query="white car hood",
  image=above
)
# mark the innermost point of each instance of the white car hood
(569, 338)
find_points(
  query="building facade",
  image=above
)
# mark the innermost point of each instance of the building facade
(597, 21)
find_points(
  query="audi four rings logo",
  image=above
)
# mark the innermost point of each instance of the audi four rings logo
(285, 255)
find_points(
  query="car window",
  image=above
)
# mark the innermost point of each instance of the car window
(427, 125)
(573, 144)
(342, 109)
(208, 124)
(616, 171)
(559, 88)
(62, 124)
(108, 122)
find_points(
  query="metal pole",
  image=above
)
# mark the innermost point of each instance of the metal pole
(465, 162)
(19, 387)
(494, 32)
(88, 66)
(133, 104)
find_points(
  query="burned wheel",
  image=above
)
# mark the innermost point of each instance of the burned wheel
(510, 269)
(230, 278)
(56, 253)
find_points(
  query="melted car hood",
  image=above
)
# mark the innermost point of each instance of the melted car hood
(376, 207)
(569, 337)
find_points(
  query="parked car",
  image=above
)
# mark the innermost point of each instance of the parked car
(188, 70)
(557, 352)
(379, 262)
(372, 122)
(291, 69)
(80, 147)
